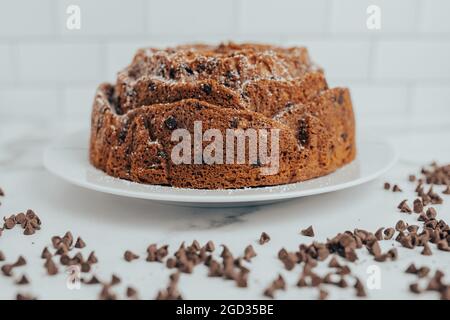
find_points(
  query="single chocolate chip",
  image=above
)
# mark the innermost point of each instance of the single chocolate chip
(210, 246)
(21, 296)
(131, 292)
(152, 86)
(264, 238)
(80, 243)
(234, 123)
(387, 186)
(411, 269)
(418, 206)
(411, 178)
(2, 193)
(9, 223)
(51, 267)
(431, 213)
(206, 88)
(396, 188)
(379, 234)
(389, 233)
(22, 281)
(92, 259)
(93, 280)
(171, 123)
(426, 250)
(20, 262)
(115, 280)
(7, 270)
(323, 294)
(162, 154)
(400, 225)
(249, 253)
(308, 232)
(403, 206)
(303, 132)
(130, 256)
(340, 98)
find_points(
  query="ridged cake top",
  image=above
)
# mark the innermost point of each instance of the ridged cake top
(229, 64)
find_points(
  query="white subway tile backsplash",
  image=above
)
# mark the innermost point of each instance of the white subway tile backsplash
(376, 99)
(283, 16)
(6, 70)
(431, 100)
(434, 16)
(26, 17)
(26, 101)
(350, 16)
(78, 102)
(341, 59)
(104, 17)
(412, 60)
(195, 17)
(402, 69)
(60, 63)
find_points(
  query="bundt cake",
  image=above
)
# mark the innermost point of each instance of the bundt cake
(229, 86)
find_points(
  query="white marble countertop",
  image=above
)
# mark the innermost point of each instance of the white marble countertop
(110, 225)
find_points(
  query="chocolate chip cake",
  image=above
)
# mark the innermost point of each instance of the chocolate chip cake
(229, 86)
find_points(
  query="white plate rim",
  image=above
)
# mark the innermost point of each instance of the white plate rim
(211, 196)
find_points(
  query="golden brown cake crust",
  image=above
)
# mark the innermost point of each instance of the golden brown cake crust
(226, 86)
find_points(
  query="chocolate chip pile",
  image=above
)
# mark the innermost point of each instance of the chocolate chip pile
(337, 253)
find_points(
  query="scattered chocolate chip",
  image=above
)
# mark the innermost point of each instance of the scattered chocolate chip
(423, 272)
(249, 253)
(379, 234)
(9, 223)
(21, 296)
(115, 280)
(51, 267)
(403, 206)
(106, 294)
(93, 280)
(22, 281)
(387, 186)
(426, 250)
(56, 240)
(400, 225)
(323, 294)
(210, 247)
(131, 292)
(360, 291)
(264, 238)
(20, 262)
(80, 244)
(130, 256)
(396, 188)
(308, 232)
(418, 206)
(92, 259)
(411, 269)
(431, 213)
(7, 270)
(389, 233)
